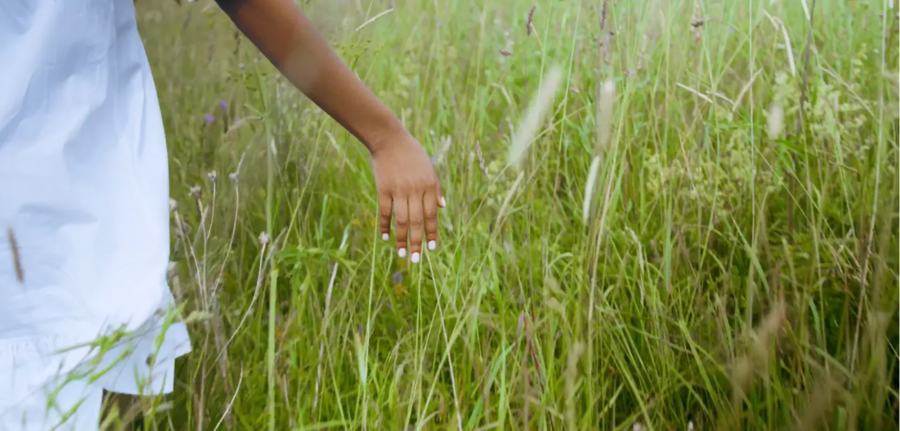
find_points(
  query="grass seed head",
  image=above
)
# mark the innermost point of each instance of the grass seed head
(529, 22)
(523, 137)
(607, 96)
(697, 25)
(775, 121)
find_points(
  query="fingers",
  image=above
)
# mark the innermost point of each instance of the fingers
(384, 215)
(430, 207)
(439, 195)
(401, 222)
(416, 225)
(415, 219)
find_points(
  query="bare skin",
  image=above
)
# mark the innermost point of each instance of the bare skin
(404, 174)
(408, 189)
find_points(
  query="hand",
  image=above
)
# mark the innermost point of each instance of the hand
(407, 183)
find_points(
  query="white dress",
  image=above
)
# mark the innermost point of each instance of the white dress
(84, 189)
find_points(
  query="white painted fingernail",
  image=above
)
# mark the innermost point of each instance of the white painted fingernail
(385, 236)
(415, 257)
(443, 202)
(402, 252)
(432, 245)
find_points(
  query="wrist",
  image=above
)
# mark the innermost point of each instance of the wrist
(387, 137)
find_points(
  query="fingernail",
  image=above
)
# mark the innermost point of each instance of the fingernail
(385, 236)
(402, 252)
(415, 257)
(432, 245)
(443, 202)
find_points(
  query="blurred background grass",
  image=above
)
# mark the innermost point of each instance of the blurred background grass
(737, 268)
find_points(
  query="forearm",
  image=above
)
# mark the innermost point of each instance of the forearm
(290, 41)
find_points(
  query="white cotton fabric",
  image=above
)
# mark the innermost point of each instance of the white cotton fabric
(84, 188)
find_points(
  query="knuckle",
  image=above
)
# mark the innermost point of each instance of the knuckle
(431, 213)
(402, 221)
(385, 213)
(415, 223)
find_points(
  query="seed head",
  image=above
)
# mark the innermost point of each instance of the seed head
(211, 176)
(173, 205)
(520, 324)
(480, 155)
(530, 20)
(196, 192)
(182, 230)
(234, 177)
(263, 239)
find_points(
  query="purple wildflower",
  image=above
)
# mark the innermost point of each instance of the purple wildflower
(238, 121)
(398, 278)
(223, 104)
(731, 30)
(433, 160)
(209, 118)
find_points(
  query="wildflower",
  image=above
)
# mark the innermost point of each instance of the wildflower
(234, 177)
(223, 104)
(433, 160)
(196, 192)
(263, 239)
(237, 121)
(398, 278)
(172, 205)
(212, 176)
(209, 118)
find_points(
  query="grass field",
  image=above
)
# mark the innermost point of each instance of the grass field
(679, 249)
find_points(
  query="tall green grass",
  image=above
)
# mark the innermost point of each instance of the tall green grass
(735, 266)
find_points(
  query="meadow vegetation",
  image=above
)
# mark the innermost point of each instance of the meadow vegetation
(700, 232)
